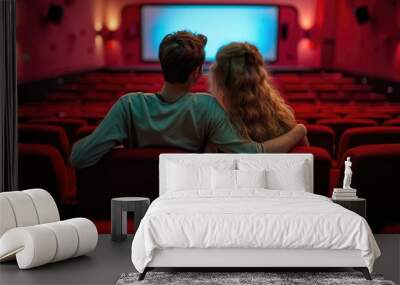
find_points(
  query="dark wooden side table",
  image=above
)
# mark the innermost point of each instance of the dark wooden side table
(357, 205)
(119, 209)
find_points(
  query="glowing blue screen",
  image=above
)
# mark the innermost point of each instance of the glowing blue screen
(221, 24)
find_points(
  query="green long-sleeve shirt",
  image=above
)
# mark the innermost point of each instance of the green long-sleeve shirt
(146, 120)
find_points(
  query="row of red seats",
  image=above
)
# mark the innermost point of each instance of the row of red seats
(319, 136)
(329, 87)
(127, 172)
(328, 133)
(306, 111)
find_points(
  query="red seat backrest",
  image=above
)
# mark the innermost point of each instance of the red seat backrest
(122, 172)
(366, 136)
(392, 122)
(379, 118)
(48, 135)
(41, 166)
(83, 132)
(376, 178)
(321, 136)
(311, 118)
(70, 125)
(339, 126)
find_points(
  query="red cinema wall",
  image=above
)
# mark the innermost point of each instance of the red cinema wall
(372, 48)
(47, 49)
(105, 33)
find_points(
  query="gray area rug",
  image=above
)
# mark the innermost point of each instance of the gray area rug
(233, 278)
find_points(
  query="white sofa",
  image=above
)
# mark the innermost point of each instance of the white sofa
(31, 231)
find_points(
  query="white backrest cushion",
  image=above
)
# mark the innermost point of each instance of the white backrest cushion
(246, 162)
(24, 210)
(7, 219)
(45, 205)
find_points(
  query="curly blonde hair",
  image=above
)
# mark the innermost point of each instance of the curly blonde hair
(241, 82)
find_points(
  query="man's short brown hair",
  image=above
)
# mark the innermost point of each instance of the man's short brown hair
(180, 53)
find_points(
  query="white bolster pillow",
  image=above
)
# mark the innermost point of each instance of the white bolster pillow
(40, 244)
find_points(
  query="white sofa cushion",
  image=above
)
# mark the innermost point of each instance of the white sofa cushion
(23, 208)
(26, 208)
(66, 237)
(45, 205)
(7, 218)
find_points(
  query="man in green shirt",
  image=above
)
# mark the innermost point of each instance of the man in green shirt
(174, 117)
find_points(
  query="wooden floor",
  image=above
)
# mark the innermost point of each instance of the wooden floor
(110, 260)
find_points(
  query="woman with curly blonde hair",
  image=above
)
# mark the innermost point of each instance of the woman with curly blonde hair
(243, 86)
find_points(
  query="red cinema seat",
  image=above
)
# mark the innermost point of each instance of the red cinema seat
(83, 132)
(294, 87)
(324, 87)
(41, 166)
(311, 118)
(49, 135)
(390, 229)
(70, 125)
(356, 88)
(333, 97)
(339, 126)
(62, 96)
(91, 119)
(300, 97)
(370, 97)
(392, 110)
(366, 136)
(376, 178)
(392, 122)
(321, 136)
(322, 166)
(122, 172)
(379, 118)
